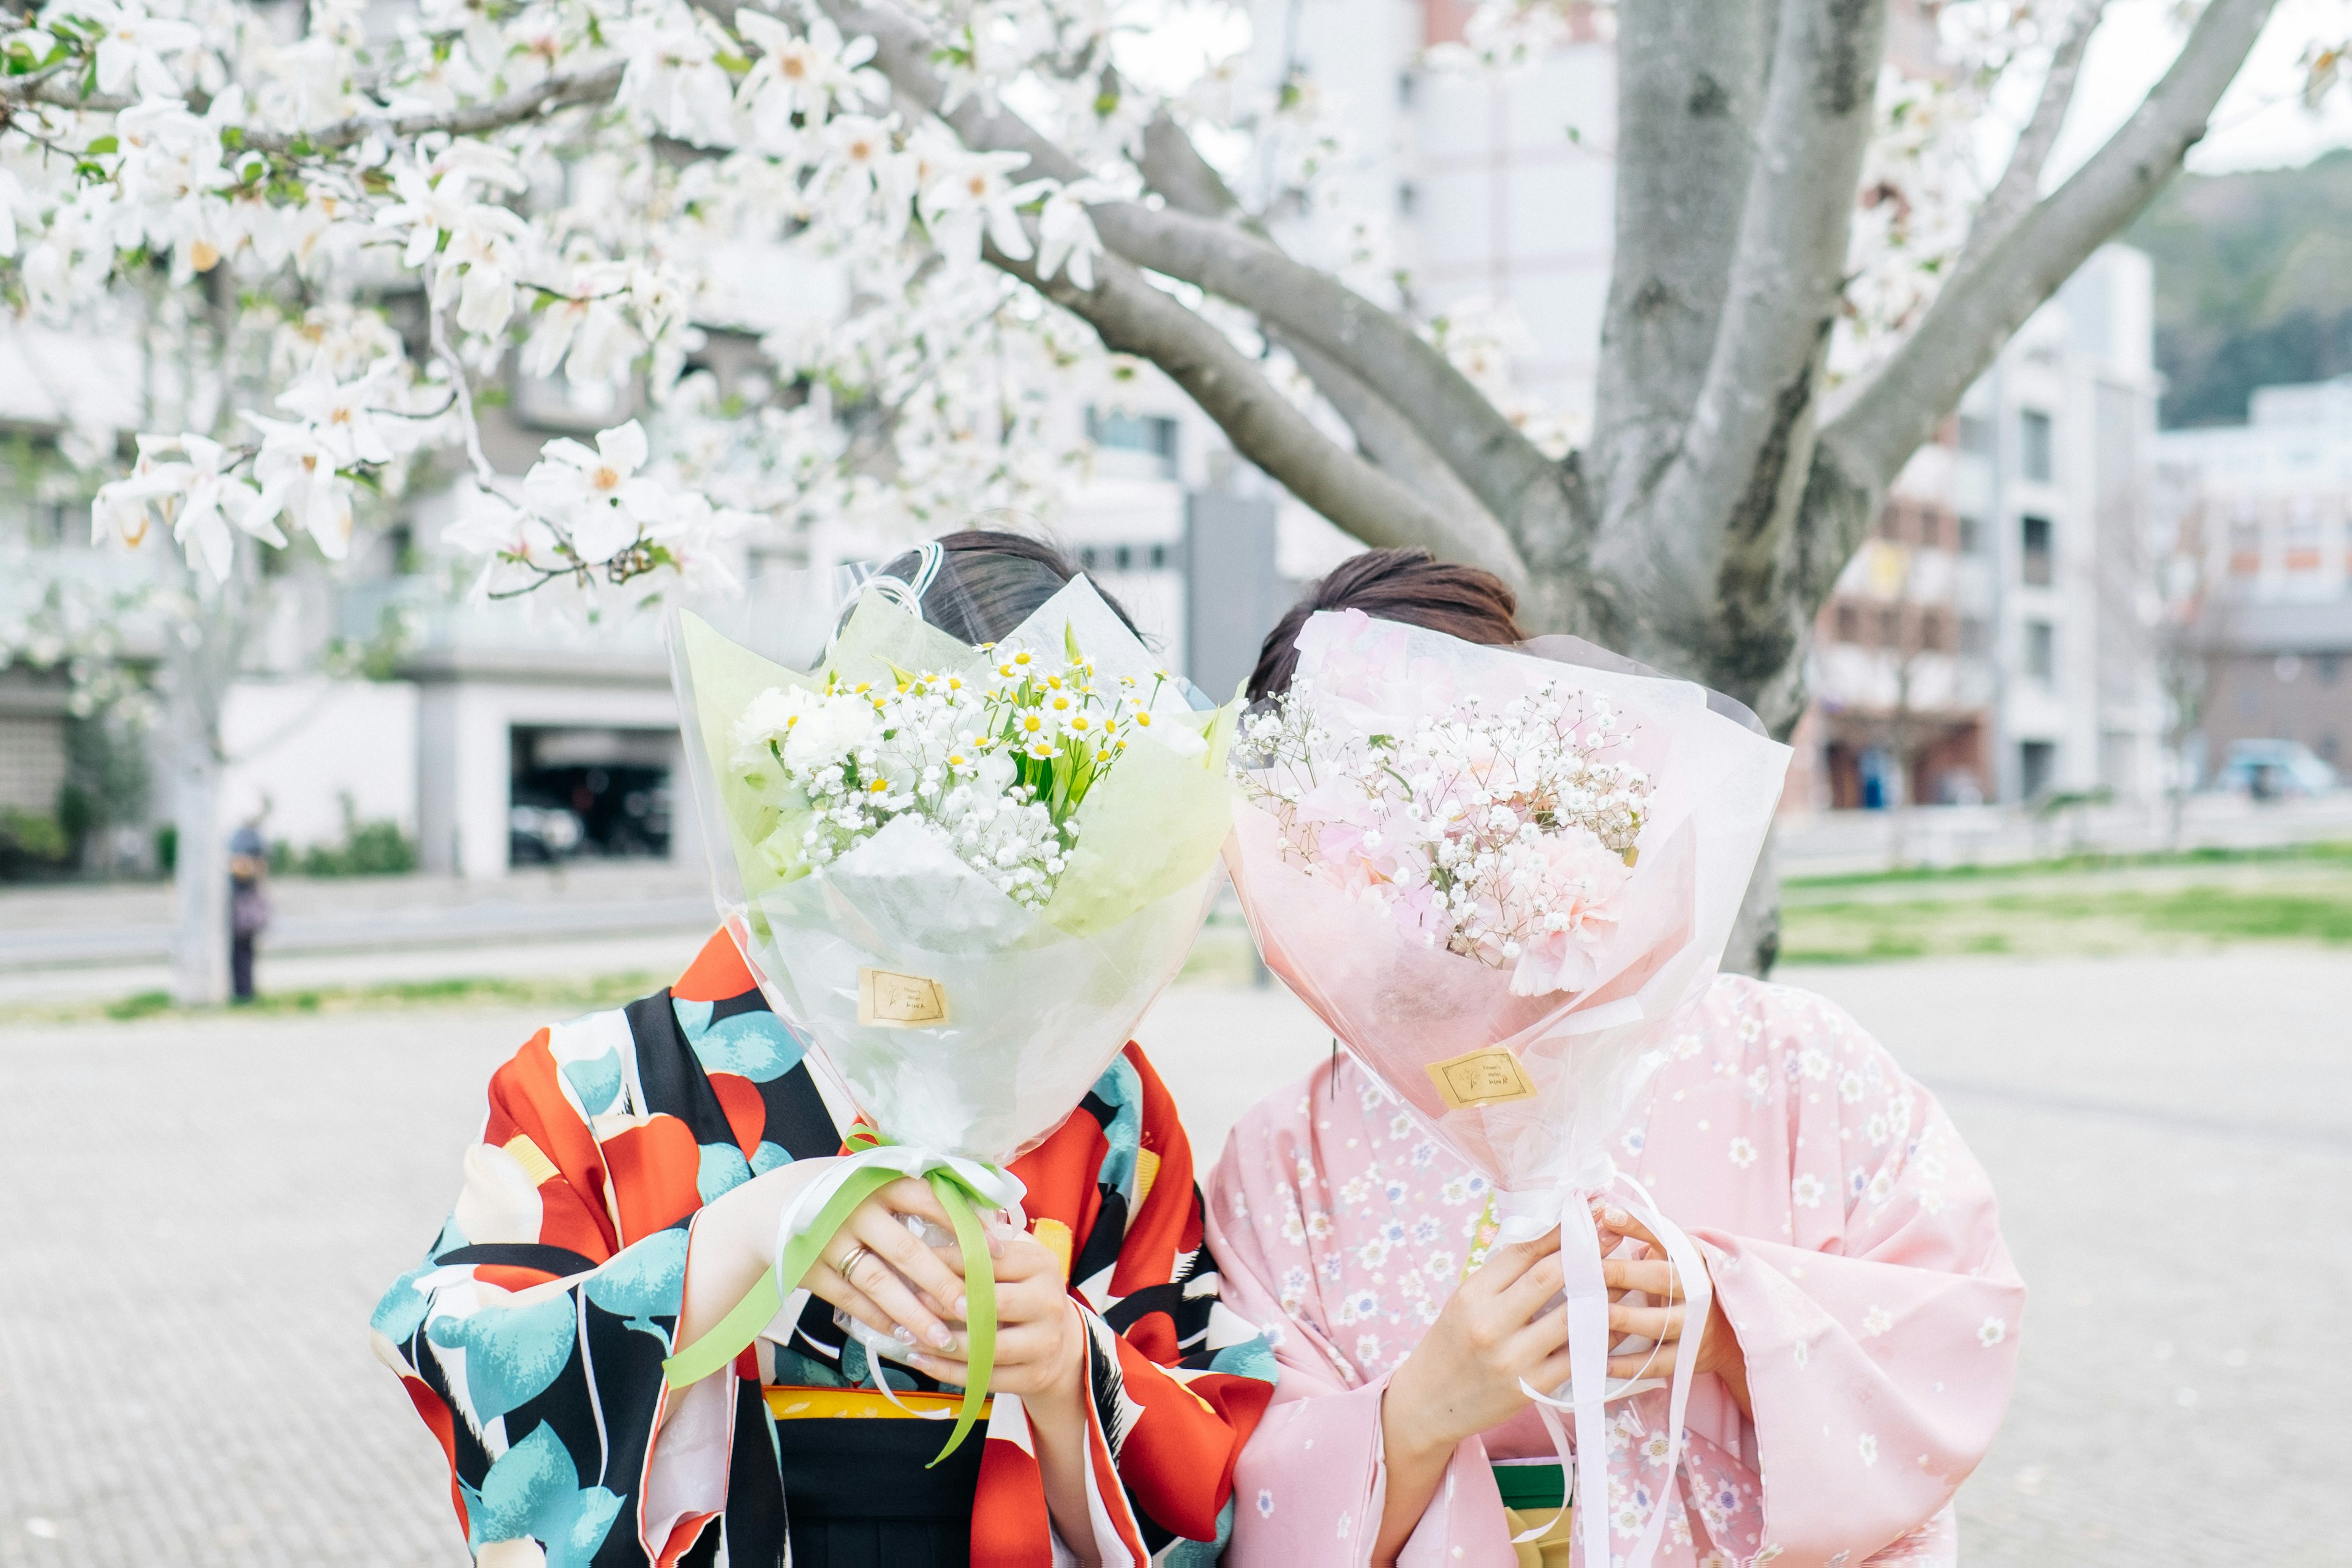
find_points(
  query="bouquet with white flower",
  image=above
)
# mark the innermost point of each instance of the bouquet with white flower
(1504, 833)
(962, 874)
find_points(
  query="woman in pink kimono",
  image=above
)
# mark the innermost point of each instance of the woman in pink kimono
(1853, 1367)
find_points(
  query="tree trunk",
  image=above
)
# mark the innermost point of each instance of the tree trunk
(1755, 944)
(201, 665)
(200, 934)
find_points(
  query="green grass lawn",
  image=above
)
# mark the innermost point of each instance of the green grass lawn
(559, 997)
(2135, 904)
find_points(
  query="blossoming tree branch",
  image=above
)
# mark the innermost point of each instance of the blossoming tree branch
(1810, 269)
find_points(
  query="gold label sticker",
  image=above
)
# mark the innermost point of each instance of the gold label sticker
(1491, 1076)
(905, 1001)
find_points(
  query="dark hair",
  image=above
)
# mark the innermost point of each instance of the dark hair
(1408, 585)
(990, 582)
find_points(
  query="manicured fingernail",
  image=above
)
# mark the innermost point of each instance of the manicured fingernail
(902, 1333)
(1616, 1216)
(963, 1307)
(941, 1338)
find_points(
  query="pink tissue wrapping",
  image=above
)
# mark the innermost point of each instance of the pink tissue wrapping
(1402, 1006)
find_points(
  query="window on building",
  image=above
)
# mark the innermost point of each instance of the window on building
(2033, 445)
(2303, 537)
(1976, 435)
(2041, 652)
(1890, 519)
(1849, 623)
(2331, 667)
(1974, 636)
(1152, 435)
(1408, 198)
(2037, 566)
(1932, 529)
(2246, 544)
(2036, 761)
(1971, 535)
(1934, 632)
(1890, 628)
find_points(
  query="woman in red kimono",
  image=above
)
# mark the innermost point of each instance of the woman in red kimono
(625, 1192)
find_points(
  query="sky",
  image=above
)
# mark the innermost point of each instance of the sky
(2261, 123)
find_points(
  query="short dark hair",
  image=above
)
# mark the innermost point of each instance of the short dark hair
(1407, 586)
(990, 581)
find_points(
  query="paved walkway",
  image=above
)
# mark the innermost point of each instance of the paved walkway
(201, 1215)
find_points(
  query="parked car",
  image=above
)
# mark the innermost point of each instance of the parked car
(2268, 770)
(541, 829)
(622, 809)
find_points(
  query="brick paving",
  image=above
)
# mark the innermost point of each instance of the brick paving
(198, 1216)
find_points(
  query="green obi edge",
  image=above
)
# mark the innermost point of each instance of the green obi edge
(1539, 1485)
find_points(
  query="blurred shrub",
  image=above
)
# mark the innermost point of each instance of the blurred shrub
(376, 848)
(32, 845)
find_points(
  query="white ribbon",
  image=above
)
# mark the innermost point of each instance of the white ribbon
(1523, 1216)
(1001, 1187)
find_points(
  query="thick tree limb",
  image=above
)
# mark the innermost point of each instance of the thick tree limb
(1983, 304)
(1172, 166)
(1386, 437)
(1133, 317)
(1741, 467)
(2020, 181)
(1484, 450)
(1690, 84)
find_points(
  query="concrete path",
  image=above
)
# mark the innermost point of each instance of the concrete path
(201, 1213)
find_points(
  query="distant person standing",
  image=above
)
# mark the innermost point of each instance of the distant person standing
(248, 906)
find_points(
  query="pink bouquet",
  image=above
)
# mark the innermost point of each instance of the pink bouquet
(1496, 873)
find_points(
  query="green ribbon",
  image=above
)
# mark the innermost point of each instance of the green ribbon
(726, 1338)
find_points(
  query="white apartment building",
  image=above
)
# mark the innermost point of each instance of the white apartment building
(2265, 557)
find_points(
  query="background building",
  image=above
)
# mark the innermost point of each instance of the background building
(2263, 566)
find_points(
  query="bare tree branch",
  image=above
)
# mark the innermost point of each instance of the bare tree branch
(1172, 166)
(1983, 304)
(1386, 436)
(2013, 196)
(1489, 454)
(1131, 316)
(543, 98)
(1749, 437)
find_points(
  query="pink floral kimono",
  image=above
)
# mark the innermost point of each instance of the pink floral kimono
(1854, 1247)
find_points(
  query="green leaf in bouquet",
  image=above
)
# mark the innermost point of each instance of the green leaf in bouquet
(1149, 826)
(726, 677)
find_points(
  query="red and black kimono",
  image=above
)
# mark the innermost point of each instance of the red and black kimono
(531, 1336)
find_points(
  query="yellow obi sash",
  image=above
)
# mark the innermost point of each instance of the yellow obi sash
(786, 1403)
(1549, 1550)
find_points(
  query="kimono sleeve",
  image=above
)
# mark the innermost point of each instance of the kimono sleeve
(530, 1340)
(1177, 1381)
(1881, 1338)
(1312, 1483)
